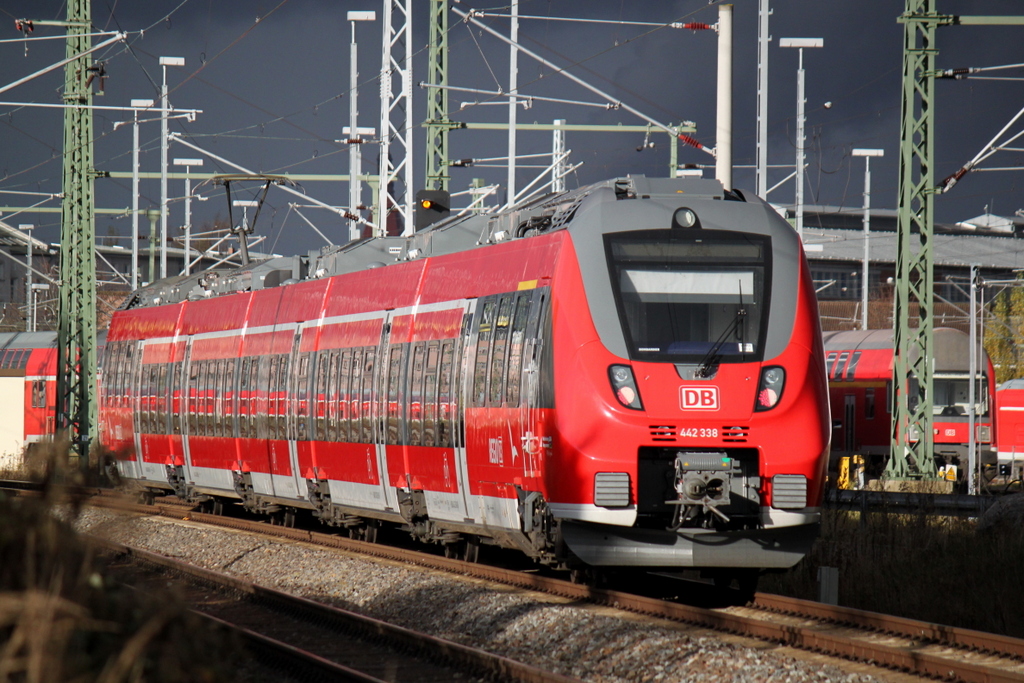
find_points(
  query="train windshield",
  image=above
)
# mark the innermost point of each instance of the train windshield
(952, 396)
(691, 296)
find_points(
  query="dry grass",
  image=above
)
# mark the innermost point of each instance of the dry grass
(936, 569)
(62, 620)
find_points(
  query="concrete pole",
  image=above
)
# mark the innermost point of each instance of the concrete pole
(800, 117)
(188, 223)
(867, 246)
(763, 38)
(513, 86)
(163, 178)
(154, 217)
(30, 314)
(723, 136)
(135, 202)
(354, 148)
(867, 154)
(972, 446)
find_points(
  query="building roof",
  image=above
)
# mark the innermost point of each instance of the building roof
(960, 251)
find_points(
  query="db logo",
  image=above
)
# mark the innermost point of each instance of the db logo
(698, 398)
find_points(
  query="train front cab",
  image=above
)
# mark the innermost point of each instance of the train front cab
(689, 388)
(1010, 432)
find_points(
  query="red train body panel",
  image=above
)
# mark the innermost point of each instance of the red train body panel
(859, 365)
(627, 374)
(1010, 434)
(28, 365)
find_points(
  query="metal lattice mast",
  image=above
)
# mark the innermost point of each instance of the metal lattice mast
(76, 326)
(396, 119)
(912, 435)
(438, 123)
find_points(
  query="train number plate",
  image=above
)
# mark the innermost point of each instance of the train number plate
(699, 432)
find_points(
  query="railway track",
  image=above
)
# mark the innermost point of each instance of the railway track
(906, 645)
(307, 640)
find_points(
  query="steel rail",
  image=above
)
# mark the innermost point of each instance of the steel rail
(817, 637)
(455, 654)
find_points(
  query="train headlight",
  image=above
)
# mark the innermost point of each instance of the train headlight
(624, 386)
(685, 218)
(769, 390)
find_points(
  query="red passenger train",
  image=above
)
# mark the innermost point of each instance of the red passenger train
(628, 374)
(860, 365)
(1010, 434)
(28, 378)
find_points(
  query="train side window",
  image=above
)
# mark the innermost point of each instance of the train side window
(213, 399)
(272, 397)
(209, 389)
(415, 402)
(366, 418)
(320, 394)
(340, 374)
(829, 360)
(258, 429)
(840, 364)
(869, 404)
(444, 396)
(151, 403)
(352, 372)
(515, 358)
(39, 393)
(394, 397)
(222, 398)
(851, 369)
(485, 328)
(430, 394)
(161, 404)
(244, 398)
(302, 399)
(191, 398)
(500, 346)
(230, 398)
(116, 371)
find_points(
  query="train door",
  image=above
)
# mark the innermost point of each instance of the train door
(283, 457)
(451, 406)
(849, 423)
(385, 379)
(536, 388)
(133, 468)
(299, 404)
(180, 406)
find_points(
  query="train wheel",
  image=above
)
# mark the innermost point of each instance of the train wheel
(370, 534)
(454, 551)
(288, 518)
(472, 553)
(584, 576)
(743, 581)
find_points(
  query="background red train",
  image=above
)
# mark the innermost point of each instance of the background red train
(860, 366)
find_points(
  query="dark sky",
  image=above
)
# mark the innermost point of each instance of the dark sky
(274, 95)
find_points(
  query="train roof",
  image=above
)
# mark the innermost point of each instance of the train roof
(951, 346)
(458, 233)
(28, 340)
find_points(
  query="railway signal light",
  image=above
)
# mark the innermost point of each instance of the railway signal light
(431, 206)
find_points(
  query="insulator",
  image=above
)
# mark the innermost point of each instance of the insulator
(690, 141)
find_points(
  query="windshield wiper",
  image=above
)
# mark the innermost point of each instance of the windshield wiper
(710, 360)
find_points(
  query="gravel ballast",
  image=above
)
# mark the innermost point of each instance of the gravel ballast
(587, 642)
